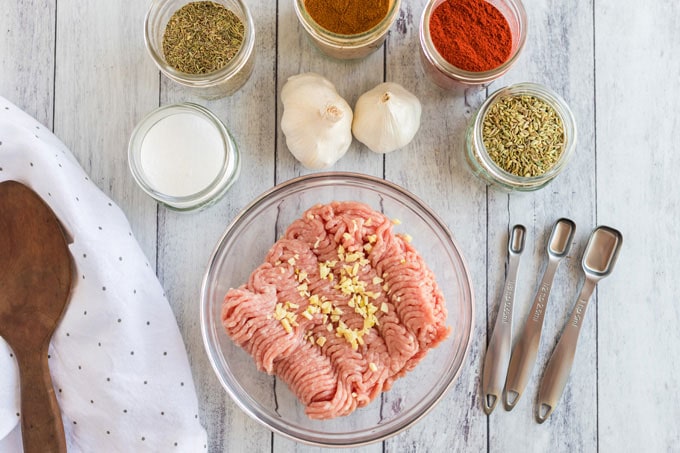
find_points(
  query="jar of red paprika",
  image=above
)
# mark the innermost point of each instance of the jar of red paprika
(471, 42)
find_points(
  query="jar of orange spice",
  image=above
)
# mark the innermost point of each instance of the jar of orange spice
(347, 29)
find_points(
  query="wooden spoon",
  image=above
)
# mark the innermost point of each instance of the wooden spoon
(35, 282)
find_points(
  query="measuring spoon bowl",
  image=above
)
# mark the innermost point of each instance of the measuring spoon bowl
(517, 239)
(561, 238)
(601, 252)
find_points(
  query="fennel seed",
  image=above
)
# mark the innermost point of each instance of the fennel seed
(523, 135)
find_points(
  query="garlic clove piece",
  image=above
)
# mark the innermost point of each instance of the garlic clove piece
(316, 121)
(386, 118)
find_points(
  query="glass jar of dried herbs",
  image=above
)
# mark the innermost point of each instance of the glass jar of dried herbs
(521, 138)
(207, 46)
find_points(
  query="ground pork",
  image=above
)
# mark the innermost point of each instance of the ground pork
(340, 308)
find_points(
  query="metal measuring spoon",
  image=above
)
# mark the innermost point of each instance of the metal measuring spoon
(598, 262)
(498, 352)
(524, 353)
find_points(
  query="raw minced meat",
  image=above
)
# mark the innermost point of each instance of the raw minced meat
(340, 308)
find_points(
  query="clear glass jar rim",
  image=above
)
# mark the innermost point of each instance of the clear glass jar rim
(231, 68)
(435, 58)
(557, 102)
(203, 196)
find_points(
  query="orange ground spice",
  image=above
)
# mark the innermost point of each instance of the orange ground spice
(347, 17)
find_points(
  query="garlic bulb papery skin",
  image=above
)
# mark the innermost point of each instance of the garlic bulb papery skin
(386, 118)
(316, 121)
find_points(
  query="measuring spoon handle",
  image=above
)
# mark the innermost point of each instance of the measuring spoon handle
(559, 366)
(498, 352)
(526, 349)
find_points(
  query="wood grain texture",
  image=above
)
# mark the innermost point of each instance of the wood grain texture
(35, 277)
(559, 55)
(638, 191)
(431, 166)
(27, 56)
(104, 85)
(183, 255)
(617, 64)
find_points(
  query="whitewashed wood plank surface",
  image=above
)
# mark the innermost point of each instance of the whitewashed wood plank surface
(183, 255)
(638, 100)
(433, 168)
(558, 54)
(104, 85)
(27, 57)
(85, 61)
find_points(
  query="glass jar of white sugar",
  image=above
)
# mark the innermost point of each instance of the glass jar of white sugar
(183, 156)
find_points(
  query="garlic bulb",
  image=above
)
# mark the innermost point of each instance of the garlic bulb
(386, 118)
(316, 121)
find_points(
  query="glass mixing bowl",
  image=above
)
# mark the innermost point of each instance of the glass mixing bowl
(244, 246)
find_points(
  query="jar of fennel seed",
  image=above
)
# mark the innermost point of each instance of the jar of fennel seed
(521, 138)
(232, 71)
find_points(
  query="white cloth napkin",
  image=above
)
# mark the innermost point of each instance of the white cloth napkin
(117, 359)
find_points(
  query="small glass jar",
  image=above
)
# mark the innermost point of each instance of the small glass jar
(347, 47)
(213, 85)
(486, 169)
(448, 76)
(201, 181)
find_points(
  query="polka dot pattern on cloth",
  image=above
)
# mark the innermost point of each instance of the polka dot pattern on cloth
(118, 349)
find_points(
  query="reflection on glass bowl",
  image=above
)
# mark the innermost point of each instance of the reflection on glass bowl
(243, 247)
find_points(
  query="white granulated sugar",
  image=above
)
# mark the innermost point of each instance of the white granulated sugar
(182, 154)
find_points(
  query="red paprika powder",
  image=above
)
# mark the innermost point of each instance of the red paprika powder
(472, 35)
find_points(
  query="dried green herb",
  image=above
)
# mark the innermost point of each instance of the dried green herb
(523, 135)
(202, 37)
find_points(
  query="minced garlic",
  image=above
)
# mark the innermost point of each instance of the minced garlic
(286, 325)
(288, 319)
(302, 276)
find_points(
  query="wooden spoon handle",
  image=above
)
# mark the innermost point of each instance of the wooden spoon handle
(41, 427)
